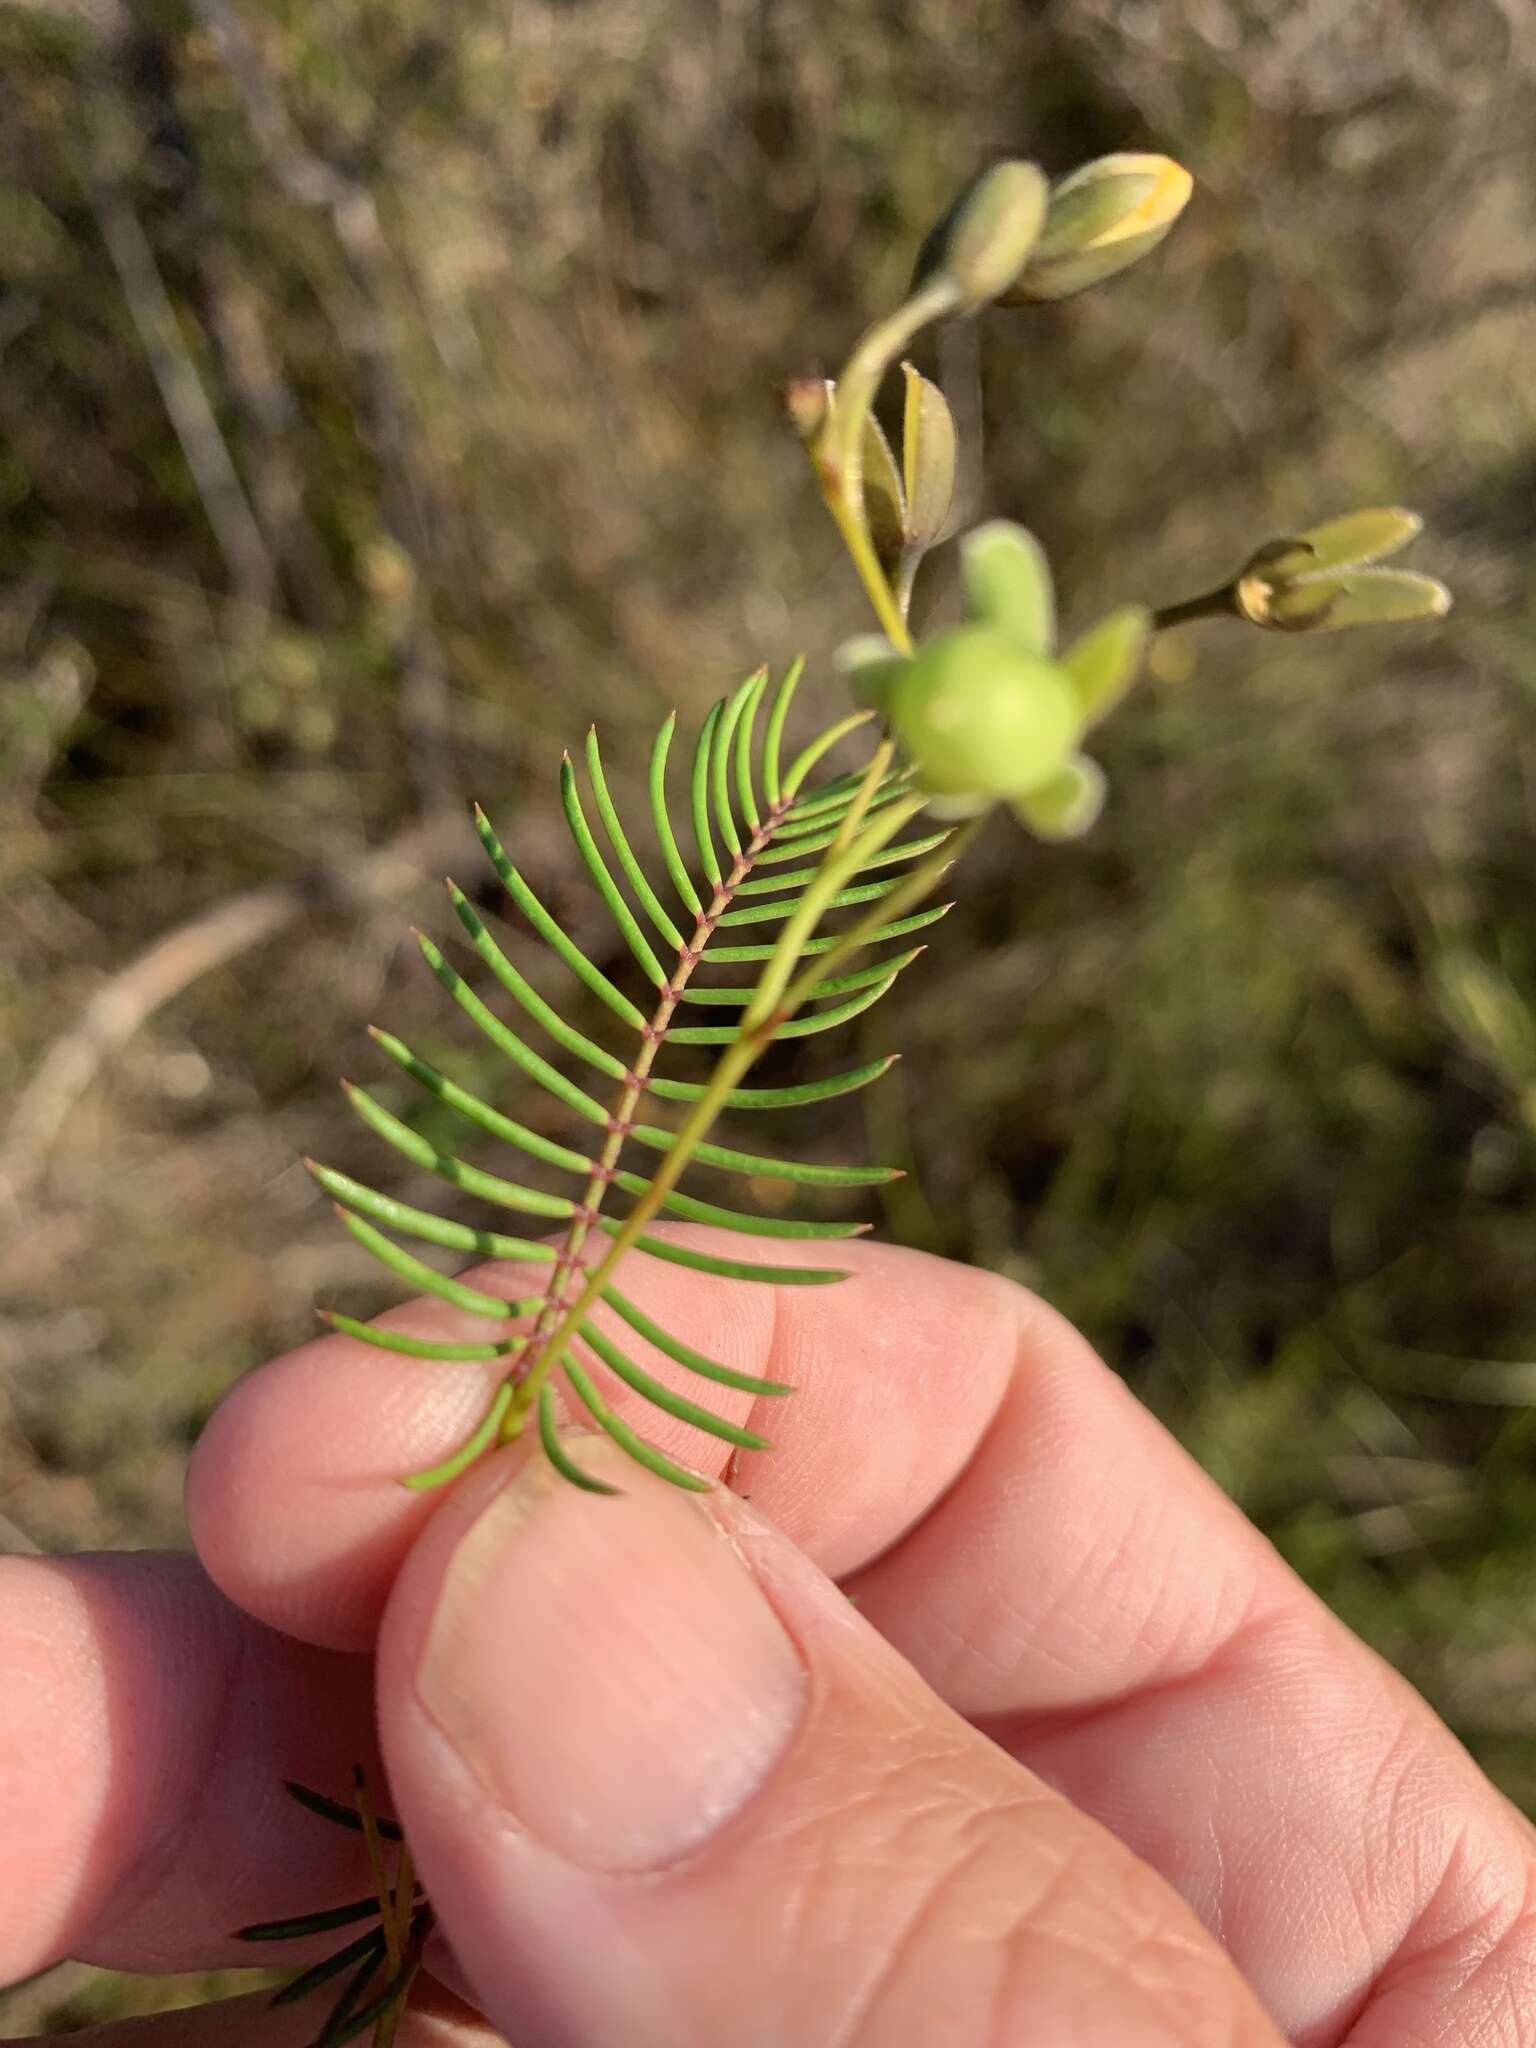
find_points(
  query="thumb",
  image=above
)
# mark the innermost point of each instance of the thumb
(665, 1786)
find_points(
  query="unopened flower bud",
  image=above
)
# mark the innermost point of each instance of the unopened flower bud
(1325, 578)
(984, 240)
(1100, 219)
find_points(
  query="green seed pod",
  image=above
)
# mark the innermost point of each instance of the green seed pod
(983, 241)
(978, 715)
(1101, 219)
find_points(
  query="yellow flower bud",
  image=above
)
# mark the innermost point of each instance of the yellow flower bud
(1101, 219)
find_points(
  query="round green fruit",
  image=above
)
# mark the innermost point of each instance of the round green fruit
(976, 714)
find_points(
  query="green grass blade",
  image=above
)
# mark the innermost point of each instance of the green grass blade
(625, 1437)
(662, 1396)
(671, 853)
(417, 1273)
(427, 1076)
(618, 839)
(525, 994)
(551, 932)
(773, 738)
(592, 859)
(745, 749)
(888, 856)
(808, 756)
(768, 913)
(490, 1187)
(424, 1347)
(699, 794)
(801, 1172)
(737, 1219)
(557, 1454)
(684, 1354)
(839, 985)
(722, 956)
(474, 1446)
(422, 1224)
(779, 1098)
(727, 1269)
(508, 1042)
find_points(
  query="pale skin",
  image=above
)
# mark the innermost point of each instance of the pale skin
(1081, 1765)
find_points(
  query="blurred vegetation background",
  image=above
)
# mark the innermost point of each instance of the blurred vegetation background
(390, 388)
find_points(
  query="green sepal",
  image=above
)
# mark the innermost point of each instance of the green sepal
(1356, 597)
(474, 1446)
(930, 458)
(885, 502)
(1068, 805)
(779, 1098)
(558, 1455)
(1343, 543)
(662, 1396)
(684, 1354)
(626, 1438)
(1008, 582)
(1102, 664)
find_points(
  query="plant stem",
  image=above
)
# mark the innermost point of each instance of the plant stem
(758, 1028)
(1216, 604)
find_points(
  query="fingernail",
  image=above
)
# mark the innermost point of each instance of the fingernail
(608, 1667)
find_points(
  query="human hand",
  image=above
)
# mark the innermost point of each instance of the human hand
(1082, 1762)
